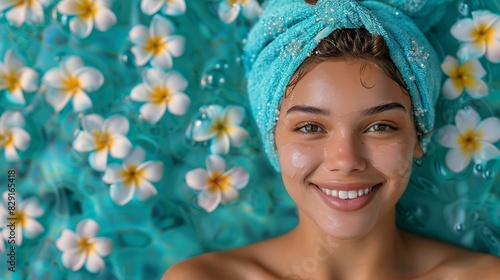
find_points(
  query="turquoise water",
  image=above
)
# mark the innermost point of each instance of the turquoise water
(149, 236)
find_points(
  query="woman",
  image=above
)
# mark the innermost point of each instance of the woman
(351, 119)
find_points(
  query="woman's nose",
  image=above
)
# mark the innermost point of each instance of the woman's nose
(344, 153)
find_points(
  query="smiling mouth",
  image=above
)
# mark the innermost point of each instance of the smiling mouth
(347, 194)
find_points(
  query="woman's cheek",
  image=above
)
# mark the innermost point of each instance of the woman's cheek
(394, 160)
(298, 159)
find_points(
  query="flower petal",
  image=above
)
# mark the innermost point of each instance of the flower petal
(17, 15)
(145, 190)
(229, 194)
(57, 99)
(21, 138)
(179, 103)
(450, 66)
(471, 50)
(121, 146)
(238, 177)
(175, 45)
(53, 78)
(448, 136)
(197, 179)
(87, 228)
(472, 67)
(73, 260)
(215, 163)
(90, 78)
(488, 151)
(84, 142)
(140, 93)
(175, 82)
(71, 63)
(475, 87)
(209, 200)
(251, 9)
(94, 262)
(162, 60)
(466, 120)
(490, 129)
(138, 34)
(81, 101)
(32, 228)
(103, 246)
(121, 194)
(16, 96)
(11, 118)
(92, 122)
(452, 88)
(152, 170)
(153, 77)
(152, 113)
(11, 154)
(29, 79)
(141, 56)
(161, 26)
(32, 207)
(233, 115)
(35, 14)
(12, 61)
(220, 144)
(464, 30)
(136, 157)
(228, 13)
(113, 174)
(493, 50)
(81, 28)
(150, 7)
(236, 135)
(67, 241)
(203, 131)
(116, 124)
(104, 19)
(99, 159)
(68, 7)
(456, 160)
(175, 7)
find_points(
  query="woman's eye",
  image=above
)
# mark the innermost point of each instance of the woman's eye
(309, 128)
(380, 127)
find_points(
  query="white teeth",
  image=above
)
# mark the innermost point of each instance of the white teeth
(352, 194)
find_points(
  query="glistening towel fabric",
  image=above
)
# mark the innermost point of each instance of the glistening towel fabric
(289, 30)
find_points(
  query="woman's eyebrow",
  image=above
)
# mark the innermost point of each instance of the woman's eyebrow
(383, 107)
(308, 109)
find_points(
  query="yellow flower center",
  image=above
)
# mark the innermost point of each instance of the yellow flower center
(6, 139)
(20, 218)
(22, 2)
(155, 45)
(160, 95)
(85, 245)
(236, 2)
(484, 34)
(86, 9)
(218, 182)
(71, 85)
(132, 175)
(469, 142)
(12, 80)
(102, 140)
(219, 126)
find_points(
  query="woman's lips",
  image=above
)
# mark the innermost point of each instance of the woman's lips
(347, 199)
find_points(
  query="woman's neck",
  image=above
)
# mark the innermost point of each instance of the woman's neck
(313, 254)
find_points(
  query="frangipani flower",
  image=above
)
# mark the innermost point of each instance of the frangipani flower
(103, 137)
(222, 127)
(21, 11)
(168, 7)
(470, 139)
(161, 91)
(87, 14)
(480, 35)
(230, 9)
(466, 75)
(215, 183)
(72, 81)
(133, 176)
(83, 247)
(12, 136)
(156, 43)
(23, 216)
(15, 78)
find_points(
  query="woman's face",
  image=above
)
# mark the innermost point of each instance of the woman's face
(346, 141)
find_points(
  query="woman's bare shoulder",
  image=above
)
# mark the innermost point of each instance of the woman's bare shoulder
(194, 268)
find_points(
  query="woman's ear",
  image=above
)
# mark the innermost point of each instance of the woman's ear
(417, 151)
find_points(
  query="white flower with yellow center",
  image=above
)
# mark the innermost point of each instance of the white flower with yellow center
(230, 9)
(168, 7)
(21, 11)
(221, 127)
(12, 136)
(215, 183)
(72, 80)
(134, 176)
(463, 76)
(23, 217)
(480, 35)
(102, 137)
(16, 78)
(470, 139)
(88, 13)
(83, 247)
(156, 43)
(161, 91)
